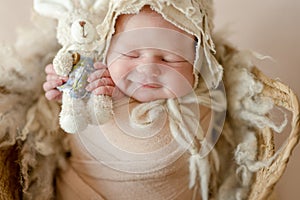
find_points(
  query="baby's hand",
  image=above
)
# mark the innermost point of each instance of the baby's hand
(100, 81)
(53, 81)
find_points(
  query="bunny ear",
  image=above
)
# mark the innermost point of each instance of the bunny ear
(87, 4)
(100, 5)
(53, 8)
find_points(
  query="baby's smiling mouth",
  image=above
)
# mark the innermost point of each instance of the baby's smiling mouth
(151, 85)
(146, 83)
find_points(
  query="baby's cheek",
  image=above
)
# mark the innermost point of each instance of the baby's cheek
(179, 87)
(117, 76)
(189, 75)
(193, 79)
(119, 72)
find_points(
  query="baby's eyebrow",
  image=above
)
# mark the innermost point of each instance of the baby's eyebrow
(123, 47)
(124, 52)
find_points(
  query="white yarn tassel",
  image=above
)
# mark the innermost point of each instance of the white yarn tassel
(194, 162)
(199, 167)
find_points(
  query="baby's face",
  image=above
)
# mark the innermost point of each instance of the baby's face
(150, 59)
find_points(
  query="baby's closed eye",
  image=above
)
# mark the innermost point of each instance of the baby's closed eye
(164, 57)
(173, 59)
(130, 55)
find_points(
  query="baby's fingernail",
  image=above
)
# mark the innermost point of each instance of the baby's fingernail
(99, 65)
(88, 88)
(63, 78)
(59, 82)
(96, 64)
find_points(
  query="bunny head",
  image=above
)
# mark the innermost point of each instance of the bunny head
(78, 27)
(77, 20)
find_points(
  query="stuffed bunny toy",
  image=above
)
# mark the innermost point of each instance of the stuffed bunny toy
(76, 32)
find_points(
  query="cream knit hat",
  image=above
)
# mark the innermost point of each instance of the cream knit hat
(193, 16)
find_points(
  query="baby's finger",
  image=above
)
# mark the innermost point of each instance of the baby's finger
(99, 65)
(49, 85)
(52, 77)
(50, 69)
(104, 90)
(99, 83)
(53, 95)
(98, 74)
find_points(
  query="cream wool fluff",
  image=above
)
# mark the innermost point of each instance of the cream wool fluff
(29, 123)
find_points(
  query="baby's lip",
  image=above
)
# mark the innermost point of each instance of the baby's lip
(147, 83)
(151, 85)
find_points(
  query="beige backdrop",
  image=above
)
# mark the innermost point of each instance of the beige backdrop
(270, 27)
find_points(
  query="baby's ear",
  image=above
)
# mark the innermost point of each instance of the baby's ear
(53, 8)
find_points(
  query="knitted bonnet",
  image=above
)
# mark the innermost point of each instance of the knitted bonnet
(194, 17)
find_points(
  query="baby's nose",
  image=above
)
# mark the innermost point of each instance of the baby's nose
(149, 70)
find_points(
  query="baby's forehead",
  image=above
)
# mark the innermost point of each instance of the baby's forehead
(145, 18)
(146, 11)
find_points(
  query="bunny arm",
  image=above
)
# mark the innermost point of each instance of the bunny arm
(63, 62)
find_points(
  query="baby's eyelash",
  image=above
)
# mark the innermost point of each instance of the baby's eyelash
(129, 55)
(173, 60)
(126, 54)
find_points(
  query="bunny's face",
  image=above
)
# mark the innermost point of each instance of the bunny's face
(78, 28)
(82, 31)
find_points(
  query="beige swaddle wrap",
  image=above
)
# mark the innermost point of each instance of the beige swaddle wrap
(121, 161)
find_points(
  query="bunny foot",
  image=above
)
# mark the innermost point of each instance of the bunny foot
(101, 109)
(73, 117)
(73, 123)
